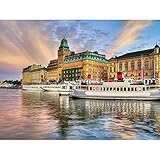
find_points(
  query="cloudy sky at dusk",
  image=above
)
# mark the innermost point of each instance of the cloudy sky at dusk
(23, 43)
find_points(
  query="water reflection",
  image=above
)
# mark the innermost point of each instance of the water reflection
(45, 115)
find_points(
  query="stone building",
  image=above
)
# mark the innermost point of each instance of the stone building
(85, 65)
(140, 64)
(34, 74)
(72, 66)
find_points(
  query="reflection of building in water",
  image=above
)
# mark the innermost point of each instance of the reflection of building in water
(121, 116)
(129, 109)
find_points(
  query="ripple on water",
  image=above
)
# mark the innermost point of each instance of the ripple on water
(45, 115)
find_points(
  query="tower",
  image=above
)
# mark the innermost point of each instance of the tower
(62, 52)
(156, 49)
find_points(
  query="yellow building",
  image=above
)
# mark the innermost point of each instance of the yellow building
(140, 64)
(34, 74)
(86, 65)
(72, 66)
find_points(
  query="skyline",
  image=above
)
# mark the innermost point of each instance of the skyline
(26, 42)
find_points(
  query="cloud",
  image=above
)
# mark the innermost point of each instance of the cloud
(24, 43)
(130, 32)
(81, 35)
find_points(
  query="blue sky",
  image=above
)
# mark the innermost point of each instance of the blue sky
(23, 43)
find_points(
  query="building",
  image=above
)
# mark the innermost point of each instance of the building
(55, 67)
(34, 74)
(72, 66)
(144, 64)
(85, 65)
(52, 70)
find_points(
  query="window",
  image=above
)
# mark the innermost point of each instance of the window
(152, 64)
(114, 69)
(132, 89)
(139, 65)
(110, 89)
(143, 88)
(128, 89)
(132, 65)
(110, 69)
(126, 66)
(135, 89)
(124, 88)
(104, 89)
(117, 89)
(146, 64)
(120, 66)
(121, 89)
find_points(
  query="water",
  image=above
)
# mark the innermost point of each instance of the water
(45, 115)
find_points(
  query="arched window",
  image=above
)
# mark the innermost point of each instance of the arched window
(132, 65)
(146, 64)
(126, 66)
(120, 66)
(139, 65)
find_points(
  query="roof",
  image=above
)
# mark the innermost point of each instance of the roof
(53, 64)
(136, 54)
(64, 44)
(87, 55)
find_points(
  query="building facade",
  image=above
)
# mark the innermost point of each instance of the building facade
(85, 65)
(34, 74)
(144, 64)
(72, 66)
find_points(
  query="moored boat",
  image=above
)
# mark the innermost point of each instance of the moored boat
(118, 90)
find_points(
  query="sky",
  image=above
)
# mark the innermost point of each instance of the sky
(23, 43)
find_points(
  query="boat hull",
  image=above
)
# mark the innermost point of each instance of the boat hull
(91, 95)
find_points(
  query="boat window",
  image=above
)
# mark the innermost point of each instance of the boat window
(70, 87)
(117, 89)
(135, 89)
(63, 87)
(143, 88)
(90, 88)
(139, 89)
(110, 89)
(121, 89)
(132, 89)
(128, 89)
(124, 88)
(107, 88)
(101, 89)
(104, 88)
(114, 89)
(145, 81)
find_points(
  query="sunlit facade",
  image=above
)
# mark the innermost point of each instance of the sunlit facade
(34, 74)
(73, 66)
(140, 64)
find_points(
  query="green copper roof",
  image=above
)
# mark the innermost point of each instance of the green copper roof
(64, 44)
(87, 55)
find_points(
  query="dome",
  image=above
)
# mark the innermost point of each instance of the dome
(64, 44)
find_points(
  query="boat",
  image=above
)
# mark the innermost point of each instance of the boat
(61, 88)
(118, 91)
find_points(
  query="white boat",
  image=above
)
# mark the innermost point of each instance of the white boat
(35, 87)
(63, 89)
(119, 90)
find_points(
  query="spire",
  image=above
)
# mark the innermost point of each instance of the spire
(64, 44)
(156, 46)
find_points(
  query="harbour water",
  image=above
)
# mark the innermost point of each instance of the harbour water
(46, 115)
